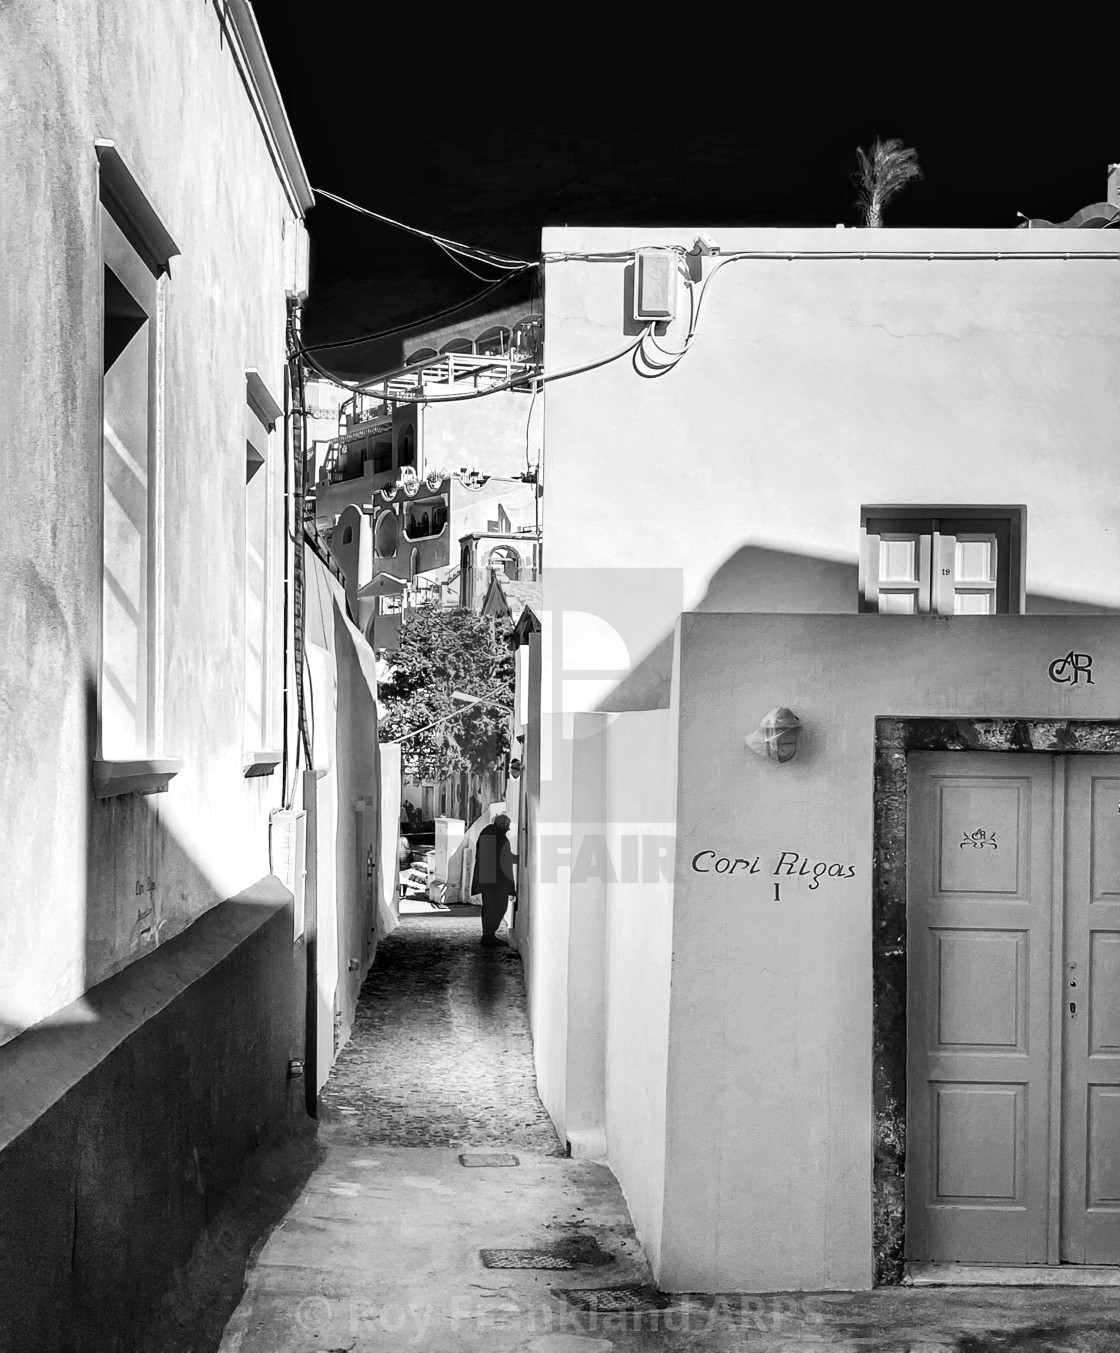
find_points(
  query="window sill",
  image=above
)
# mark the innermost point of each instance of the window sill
(419, 540)
(150, 776)
(254, 764)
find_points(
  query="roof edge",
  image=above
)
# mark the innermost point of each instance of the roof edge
(857, 241)
(260, 81)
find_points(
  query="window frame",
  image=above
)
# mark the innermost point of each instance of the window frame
(1014, 515)
(135, 245)
(262, 412)
(436, 504)
(131, 273)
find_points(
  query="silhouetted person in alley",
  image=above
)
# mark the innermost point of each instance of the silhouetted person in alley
(493, 877)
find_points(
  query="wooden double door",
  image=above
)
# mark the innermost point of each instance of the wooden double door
(1013, 1009)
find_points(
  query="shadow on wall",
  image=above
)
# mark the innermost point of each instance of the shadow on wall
(127, 902)
(762, 579)
(127, 1117)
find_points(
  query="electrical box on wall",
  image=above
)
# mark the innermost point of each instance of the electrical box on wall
(655, 285)
(296, 263)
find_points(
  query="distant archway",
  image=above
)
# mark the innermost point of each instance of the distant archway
(505, 559)
(494, 342)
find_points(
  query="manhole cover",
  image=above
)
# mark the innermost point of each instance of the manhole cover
(525, 1259)
(477, 1161)
(632, 1297)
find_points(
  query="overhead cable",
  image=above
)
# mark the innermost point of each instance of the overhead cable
(424, 320)
(491, 257)
(522, 380)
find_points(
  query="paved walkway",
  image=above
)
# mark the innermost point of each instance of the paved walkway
(382, 1251)
(441, 1053)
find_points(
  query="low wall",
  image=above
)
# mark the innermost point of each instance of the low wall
(126, 1116)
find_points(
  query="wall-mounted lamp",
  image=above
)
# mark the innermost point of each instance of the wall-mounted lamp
(776, 735)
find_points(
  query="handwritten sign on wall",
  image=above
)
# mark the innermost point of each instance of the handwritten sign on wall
(790, 864)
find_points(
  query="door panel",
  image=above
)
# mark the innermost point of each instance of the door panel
(979, 1008)
(1091, 1014)
(973, 1127)
(981, 994)
(1104, 980)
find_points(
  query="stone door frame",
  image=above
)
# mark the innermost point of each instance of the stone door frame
(895, 738)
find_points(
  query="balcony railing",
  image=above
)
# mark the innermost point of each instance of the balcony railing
(470, 370)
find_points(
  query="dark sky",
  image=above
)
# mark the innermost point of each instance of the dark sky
(484, 129)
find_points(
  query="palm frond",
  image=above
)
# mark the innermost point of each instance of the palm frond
(881, 174)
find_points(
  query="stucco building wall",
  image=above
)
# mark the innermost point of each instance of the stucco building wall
(356, 827)
(816, 385)
(161, 81)
(641, 783)
(769, 1121)
(499, 434)
(959, 369)
(735, 1047)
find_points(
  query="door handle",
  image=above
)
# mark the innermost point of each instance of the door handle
(1072, 1008)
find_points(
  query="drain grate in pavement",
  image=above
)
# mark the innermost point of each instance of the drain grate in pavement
(630, 1297)
(525, 1259)
(479, 1161)
(575, 1252)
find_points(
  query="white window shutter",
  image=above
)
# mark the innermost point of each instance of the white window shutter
(897, 570)
(966, 566)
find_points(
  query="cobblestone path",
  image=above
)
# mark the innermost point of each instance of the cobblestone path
(440, 1053)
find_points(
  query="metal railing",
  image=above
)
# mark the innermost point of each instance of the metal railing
(477, 371)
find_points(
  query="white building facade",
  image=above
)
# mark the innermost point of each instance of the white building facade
(154, 965)
(869, 477)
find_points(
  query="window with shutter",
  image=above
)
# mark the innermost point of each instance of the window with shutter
(942, 560)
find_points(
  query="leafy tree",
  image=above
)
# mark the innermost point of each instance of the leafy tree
(882, 173)
(443, 651)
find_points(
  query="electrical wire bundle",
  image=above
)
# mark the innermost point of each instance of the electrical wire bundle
(505, 265)
(508, 267)
(650, 358)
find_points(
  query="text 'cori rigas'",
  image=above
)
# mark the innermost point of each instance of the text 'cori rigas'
(791, 864)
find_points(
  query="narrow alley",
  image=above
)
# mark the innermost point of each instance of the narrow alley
(441, 1053)
(445, 1215)
(436, 1148)
(403, 513)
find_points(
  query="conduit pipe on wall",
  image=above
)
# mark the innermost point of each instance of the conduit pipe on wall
(922, 255)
